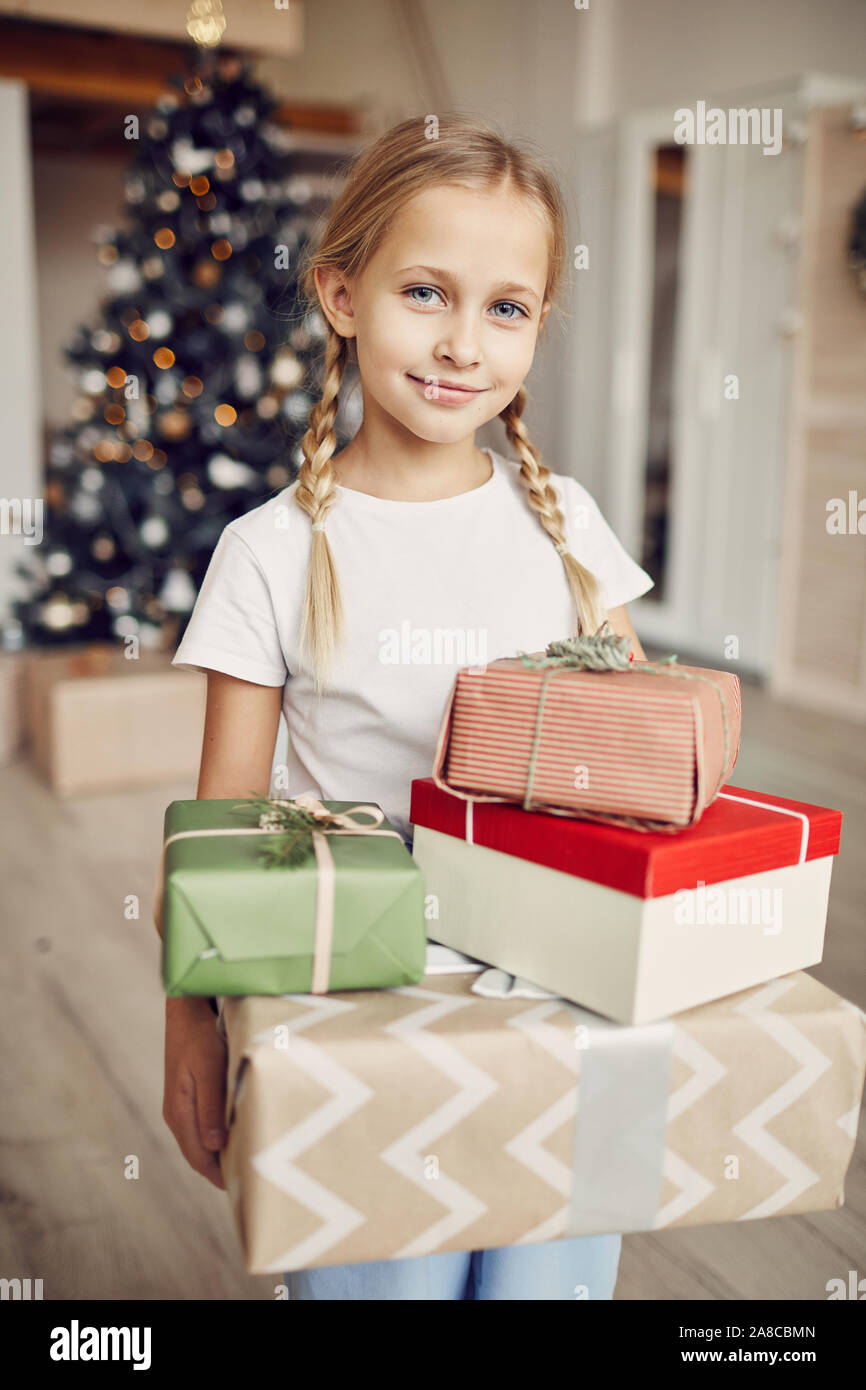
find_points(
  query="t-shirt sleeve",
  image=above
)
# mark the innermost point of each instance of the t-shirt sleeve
(233, 628)
(595, 545)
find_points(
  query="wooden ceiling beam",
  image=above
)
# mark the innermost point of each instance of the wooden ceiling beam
(96, 66)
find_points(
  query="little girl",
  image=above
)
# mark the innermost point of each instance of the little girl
(437, 268)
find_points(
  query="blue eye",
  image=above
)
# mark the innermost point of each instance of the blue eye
(422, 288)
(511, 305)
(507, 303)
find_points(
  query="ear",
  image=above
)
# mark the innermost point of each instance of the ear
(543, 315)
(336, 300)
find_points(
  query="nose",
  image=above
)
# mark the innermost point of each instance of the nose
(459, 342)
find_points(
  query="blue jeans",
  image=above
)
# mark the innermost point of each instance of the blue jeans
(574, 1268)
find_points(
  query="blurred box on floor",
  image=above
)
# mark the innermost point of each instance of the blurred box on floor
(12, 726)
(99, 721)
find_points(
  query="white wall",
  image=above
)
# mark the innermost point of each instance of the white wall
(690, 47)
(20, 405)
(73, 194)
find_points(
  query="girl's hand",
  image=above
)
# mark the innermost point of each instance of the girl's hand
(193, 1104)
(240, 732)
(621, 624)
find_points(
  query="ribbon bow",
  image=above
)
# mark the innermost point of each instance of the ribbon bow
(298, 821)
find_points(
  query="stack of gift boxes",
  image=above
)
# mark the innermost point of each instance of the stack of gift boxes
(579, 1006)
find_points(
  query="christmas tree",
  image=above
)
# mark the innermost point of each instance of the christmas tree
(197, 378)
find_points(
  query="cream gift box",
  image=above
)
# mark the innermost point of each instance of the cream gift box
(633, 925)
(384, 1124)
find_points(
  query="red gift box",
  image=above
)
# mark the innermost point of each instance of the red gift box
(743, 832)
(634, 924)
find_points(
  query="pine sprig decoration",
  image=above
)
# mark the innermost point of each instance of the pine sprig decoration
(293, 828)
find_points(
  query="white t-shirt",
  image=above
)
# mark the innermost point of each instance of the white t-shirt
(427, 587)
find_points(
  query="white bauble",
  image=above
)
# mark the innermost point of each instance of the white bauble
(124, 277)
(226, 472)
(154, 531)
(177, 594)
(186, 156)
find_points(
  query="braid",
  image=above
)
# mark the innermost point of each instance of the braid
(544, 501)
(322, 618)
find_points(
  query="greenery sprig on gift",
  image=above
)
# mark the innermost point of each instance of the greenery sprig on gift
(293, 828)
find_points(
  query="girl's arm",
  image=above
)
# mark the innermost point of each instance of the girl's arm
(621, 624)
(240, 732)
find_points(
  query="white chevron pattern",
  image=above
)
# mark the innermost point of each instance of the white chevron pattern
(707, 1071)
(849, 1121)
(528, 1146)
(813, 1063)
(694, 1188)
(406, 1156)
(277, 1163)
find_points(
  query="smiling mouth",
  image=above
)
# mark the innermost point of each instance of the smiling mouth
(447, 385)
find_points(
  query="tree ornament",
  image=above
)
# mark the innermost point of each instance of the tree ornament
(177, 594)
(286, 370)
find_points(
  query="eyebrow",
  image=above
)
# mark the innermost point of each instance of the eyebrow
(511, 288)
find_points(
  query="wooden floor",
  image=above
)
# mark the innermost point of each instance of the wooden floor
(81, 1035)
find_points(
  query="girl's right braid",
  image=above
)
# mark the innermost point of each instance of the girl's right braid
(322, 614)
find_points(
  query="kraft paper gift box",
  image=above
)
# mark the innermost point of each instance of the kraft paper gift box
(12, 668)
(99, 721)
(403, 1122)
(634, 925)
(652, 742)
(349, 915)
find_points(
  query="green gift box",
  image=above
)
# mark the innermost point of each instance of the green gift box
(345, 912)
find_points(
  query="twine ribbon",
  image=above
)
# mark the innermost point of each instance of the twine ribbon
(324, 823)
(603, 651)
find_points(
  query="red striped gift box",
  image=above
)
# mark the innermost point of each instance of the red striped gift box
(651, 746)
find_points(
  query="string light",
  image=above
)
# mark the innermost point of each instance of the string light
(205, 22)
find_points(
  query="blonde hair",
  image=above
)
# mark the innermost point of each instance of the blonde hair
(398, 165)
